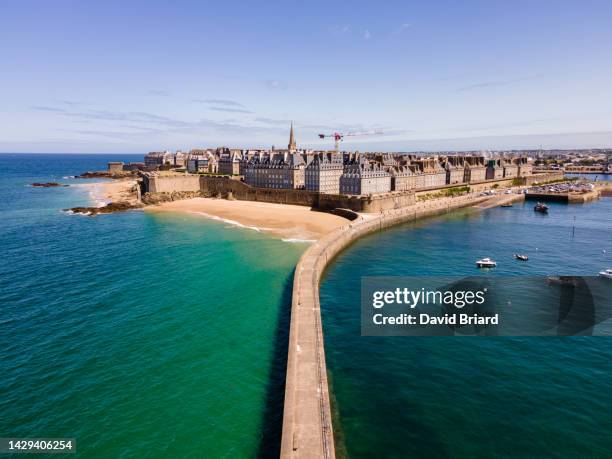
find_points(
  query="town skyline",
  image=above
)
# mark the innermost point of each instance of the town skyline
(121, 78)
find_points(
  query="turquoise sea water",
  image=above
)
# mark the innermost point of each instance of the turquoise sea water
(138, 334)
(457, 397)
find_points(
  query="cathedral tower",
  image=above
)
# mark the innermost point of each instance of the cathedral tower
(292, 146)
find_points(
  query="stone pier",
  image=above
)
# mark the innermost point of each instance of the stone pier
(307, 423)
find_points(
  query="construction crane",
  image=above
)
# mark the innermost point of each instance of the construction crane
(338, 136)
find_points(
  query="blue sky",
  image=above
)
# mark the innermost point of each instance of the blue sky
(135, 76)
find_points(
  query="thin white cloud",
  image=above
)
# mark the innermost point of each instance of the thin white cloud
(496, 83)
(42, 108)
(230, 110)
(367, 35)
(275, 84)
(225, 102)
(339, 29)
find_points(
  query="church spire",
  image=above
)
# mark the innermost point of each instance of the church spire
(292, 146)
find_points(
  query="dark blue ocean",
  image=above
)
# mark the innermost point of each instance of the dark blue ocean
(476, 397)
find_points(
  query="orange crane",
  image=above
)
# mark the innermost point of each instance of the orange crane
(338, 136)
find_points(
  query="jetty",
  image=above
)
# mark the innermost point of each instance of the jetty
(566, 197)
(307, 421)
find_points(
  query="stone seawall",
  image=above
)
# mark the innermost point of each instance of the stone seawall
(153, 183)
(226, 187)
(542, 178)
(569, 198)
(235, 189)
(307, 423)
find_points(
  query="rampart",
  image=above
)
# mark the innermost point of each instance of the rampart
(226, 187)
(219, 186)
(542, 178)
(169, 183)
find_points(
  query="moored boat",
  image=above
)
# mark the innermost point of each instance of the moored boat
(607, 273)
(486, 263)
(541, 207)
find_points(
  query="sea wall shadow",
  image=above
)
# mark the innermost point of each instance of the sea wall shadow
(272, 424)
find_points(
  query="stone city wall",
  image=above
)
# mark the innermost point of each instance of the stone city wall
(541, 178)
(235, 189)
(170, 183)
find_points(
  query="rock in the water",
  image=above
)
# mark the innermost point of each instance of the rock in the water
(100, 174)
(107, 209)
(47, 184)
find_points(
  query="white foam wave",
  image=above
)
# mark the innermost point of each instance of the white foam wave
(227, 220)
(95, 196)
(298, 240)
(70, 212)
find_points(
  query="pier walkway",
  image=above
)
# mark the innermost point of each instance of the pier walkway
(307, 423)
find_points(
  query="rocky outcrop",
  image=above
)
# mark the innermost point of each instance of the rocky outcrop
(105, 174)
(159, 198)
(47, 184)
(121, 206)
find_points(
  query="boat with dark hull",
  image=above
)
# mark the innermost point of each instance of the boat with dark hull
(541, 207)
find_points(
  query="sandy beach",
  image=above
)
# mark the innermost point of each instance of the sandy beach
(102, 193)
(290, 222)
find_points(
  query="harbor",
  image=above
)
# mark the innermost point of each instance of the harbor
(422, 382)
(572, 192)
(307, 421)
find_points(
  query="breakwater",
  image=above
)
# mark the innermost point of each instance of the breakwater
(307, 423)
(569, 197)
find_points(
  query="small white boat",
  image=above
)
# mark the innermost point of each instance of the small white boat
(606, 273)
(518, 256)
(486, 263)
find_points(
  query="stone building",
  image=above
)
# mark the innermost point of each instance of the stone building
(279, 171)
(322, 174)
(202, 161)
(455, 170)
(433, 173)
(115, 167)
(229, 161)
(198, 165)
(525, 168)
(387, 160)
(180, 159)
(510, 168)
(419, 176)
(495, 169)
(362, 177)
(403, 178)
(159, 158)
(475, 169)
